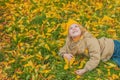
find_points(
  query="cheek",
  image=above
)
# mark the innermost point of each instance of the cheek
(70, 32)
(79, 30)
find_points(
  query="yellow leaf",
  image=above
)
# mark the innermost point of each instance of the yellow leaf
(66, 66)
(15, 77)
(110, 6)
(47, 47)
(86, 52)
(45, 71)
(11, 61)
(30, 63)
(99, 79)
(1, 27)
(99, 71)
(53, 22)
(114, 77)
(108, 72)
(38, 66)
(110, 65)
(48, 34)
(63, 25)
(68, 63)
(111, 30)
(51, 77)
(20, 21)
(96, 35)
(8, 17)
(76, 62)
(36, 10)
(117, 1)
(99, 5)
(14, 37)
(18, 71)
(94, 29)
(82, 64)
(64, 33)
(11, 0)
(47, 57)
(61, 42)
(71, 61)
(39, 56)
(43, 35)
(106, 18)
(54, 53)
(26, 57)
(4, 63)
(44, 66)
(78, 77)
(49, 30)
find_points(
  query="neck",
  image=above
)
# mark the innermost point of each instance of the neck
(76, 38)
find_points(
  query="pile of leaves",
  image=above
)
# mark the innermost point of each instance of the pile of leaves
(32, 32)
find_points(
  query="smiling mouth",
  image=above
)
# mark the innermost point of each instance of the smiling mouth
(75, 31)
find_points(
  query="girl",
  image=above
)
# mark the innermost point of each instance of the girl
(78, 40)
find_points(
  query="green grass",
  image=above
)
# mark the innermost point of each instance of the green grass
(29, 50)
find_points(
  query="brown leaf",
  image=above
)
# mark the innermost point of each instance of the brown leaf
(116, 68)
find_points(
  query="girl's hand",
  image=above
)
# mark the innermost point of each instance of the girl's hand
(68, 56)
(80, 72)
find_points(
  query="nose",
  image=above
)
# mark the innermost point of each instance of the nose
(74, 28)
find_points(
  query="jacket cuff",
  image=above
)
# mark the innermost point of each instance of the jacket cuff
(86, 70)
(61, 54)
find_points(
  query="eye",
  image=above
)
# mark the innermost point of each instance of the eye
(71, 27)
(76, 26)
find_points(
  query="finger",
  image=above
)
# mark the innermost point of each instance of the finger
(69, 58)
(71, 55)
(77, 72)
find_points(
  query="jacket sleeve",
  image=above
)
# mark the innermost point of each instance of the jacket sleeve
(94, 53)
(87, 34)
(64, 49)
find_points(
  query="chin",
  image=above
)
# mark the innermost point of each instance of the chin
(75, 35)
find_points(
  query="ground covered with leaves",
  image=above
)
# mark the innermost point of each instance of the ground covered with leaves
(32, 32)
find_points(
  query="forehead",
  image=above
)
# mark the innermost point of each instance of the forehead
(73, 25)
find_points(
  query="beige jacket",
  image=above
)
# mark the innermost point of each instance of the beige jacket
(98, 49)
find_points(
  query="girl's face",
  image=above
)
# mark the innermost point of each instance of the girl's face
(74, 30)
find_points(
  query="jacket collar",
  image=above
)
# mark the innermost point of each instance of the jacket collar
(77, 38)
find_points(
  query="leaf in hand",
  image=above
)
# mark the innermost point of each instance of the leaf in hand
(68, 64)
